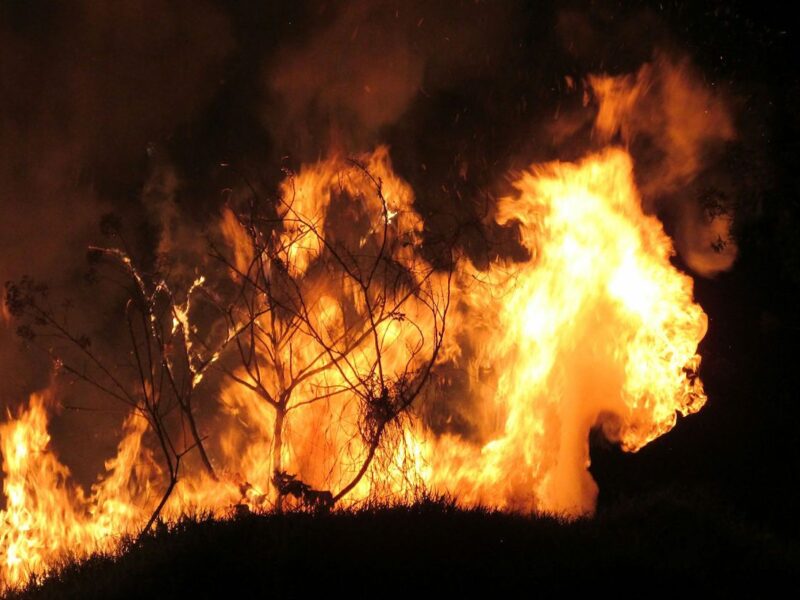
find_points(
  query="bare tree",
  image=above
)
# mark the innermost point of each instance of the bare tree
(164, 366)
(272, 331)
(381, 282)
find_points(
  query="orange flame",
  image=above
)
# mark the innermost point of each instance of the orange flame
(48, 519)
(596, 328)
(667, 103)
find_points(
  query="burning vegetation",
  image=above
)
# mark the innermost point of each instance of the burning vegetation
(325, 338)
(322, 344)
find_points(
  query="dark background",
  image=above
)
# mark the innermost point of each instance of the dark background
(96, 101)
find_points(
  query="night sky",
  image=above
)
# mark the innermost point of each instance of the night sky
(102, 107)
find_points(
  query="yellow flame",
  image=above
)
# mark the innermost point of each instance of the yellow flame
(596, 328)
(47, 518)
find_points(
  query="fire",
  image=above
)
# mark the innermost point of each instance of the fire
(47, 519)
(595, 329)
(667, 104)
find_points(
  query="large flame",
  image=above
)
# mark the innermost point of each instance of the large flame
(595, 329)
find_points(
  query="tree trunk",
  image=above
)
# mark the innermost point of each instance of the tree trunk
(167, 493)
(277, 451)
(187, 409)
(373, 447)
(173, 476)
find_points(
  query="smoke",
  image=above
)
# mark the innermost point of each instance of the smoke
(86, 87)
(360, 73)
(680, 127)
(107, 106)
(470, 79)
(363, 64)
(642, 90)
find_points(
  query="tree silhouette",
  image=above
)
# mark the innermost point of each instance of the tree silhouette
(164, 364)
(307, 309)
(333, 305)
